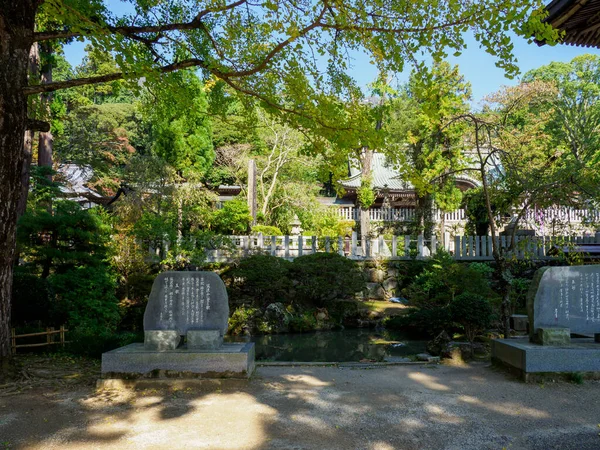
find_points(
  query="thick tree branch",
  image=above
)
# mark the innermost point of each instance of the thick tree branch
(133, 30)
(37, 125)
(57, 85)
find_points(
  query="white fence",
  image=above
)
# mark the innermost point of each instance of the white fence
(534, 215)
(403, 247)
(397, 214)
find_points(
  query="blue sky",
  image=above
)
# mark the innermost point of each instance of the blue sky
(475, 64)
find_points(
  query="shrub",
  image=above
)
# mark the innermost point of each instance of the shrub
(443, 279)
(473, 312)
(260, 280)
(266, 230)
(323, 277)
(91, 342)
(85, 298)
(423, 322)
(242, 321)
(233, 218)
(31, 299)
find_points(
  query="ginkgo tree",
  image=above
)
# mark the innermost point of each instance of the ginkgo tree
(294, 56)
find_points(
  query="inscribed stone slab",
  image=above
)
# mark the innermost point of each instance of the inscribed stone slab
(567, 296)
(185, 301)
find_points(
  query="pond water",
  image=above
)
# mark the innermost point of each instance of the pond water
(333, 346)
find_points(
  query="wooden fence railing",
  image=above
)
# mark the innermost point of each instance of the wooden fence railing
(395, 247)
(533, 215)
(49, 333)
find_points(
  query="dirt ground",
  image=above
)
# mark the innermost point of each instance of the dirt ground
(55, 405)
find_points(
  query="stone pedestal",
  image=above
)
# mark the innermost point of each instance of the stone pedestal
(134, 362)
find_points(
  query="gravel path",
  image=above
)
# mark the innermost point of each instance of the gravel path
(394, 407)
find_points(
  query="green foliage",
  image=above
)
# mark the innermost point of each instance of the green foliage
(442, 279)
(241, 321)
(260, 280)
(182, 139)
(365, 193)
(427, 322)
(85, 297)
(31, 299)
(473, 312)
(68, 246)
(266, 230)
(233, 218)
(324, 277)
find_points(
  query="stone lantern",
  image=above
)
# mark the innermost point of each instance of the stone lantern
(296, 230)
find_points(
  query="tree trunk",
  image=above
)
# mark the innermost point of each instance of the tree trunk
(424, 215)
(366, 158)
(34, 64)
(46, 140)
(16, 34)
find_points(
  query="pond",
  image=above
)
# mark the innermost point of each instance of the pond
(333, 346)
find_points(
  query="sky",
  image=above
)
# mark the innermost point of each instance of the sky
(475, 64)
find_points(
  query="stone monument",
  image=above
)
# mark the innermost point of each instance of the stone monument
(184, 324)
(563, 308)
(564, 301)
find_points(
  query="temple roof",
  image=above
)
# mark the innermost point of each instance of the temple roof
(579, 19)
(385, 176)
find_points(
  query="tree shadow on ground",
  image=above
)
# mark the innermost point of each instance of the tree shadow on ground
(399, 407)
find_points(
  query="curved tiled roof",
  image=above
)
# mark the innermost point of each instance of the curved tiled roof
(384, 175)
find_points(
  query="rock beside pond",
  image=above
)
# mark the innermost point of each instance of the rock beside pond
(440, 345)
(426, 357)
(277, 316)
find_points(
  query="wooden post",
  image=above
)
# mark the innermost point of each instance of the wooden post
(477, 247)
(286, 244)
(13, 341)
(420, 247)
(314, 244)
(341, 245)
(471, 251)
(366, 248)
(380, 245)
(433, 245)
(49, 336)
(300, 245)
(394, 246)
(354, 244)
(463, 247)
(62, 336)
(274, 245)
(261, 242)
(407, 246)
(327, 244)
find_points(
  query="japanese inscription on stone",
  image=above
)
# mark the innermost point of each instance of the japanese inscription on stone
(187, 301)
(565, 297)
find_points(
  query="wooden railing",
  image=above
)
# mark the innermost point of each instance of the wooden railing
(49, 333)
(534, 215)
(400, 247)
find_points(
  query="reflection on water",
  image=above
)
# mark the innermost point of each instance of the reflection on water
(334, 346)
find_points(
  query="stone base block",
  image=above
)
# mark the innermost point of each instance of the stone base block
(134, 361)
(161, 340)
(526, 358)
(204, 339)
(553, 336)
